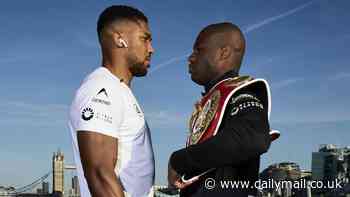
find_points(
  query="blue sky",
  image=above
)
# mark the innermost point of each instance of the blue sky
(301, 47)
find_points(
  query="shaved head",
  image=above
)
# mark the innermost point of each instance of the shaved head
(223, 35)
(219, 48)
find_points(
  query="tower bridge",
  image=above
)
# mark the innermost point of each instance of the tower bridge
(57, 172)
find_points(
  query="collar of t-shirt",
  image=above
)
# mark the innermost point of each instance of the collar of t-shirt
(212, 83)
(114, 76)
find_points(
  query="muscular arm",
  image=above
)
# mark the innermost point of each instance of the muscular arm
(98, 155)
(241, 136)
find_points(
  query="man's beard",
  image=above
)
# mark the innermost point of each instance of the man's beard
(137, 67)
(137, 70)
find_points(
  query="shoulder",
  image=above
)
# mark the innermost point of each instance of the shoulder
(98, 87)
(245, 102)
(251, 94)
(99, 82)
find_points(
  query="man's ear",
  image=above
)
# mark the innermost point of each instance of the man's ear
(225, 52)
(119, 41)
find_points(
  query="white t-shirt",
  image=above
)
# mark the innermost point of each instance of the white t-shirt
(105, 105)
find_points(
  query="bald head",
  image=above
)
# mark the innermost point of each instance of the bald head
(219, 48)
(228, 38)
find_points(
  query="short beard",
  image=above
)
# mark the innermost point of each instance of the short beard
(137, 70)
(135, 67)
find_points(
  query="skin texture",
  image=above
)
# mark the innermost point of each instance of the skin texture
(99, 152)
(174, 180)
(130, 61)
(140, 44)
(218, 49)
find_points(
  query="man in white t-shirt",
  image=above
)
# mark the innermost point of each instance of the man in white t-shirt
(111, 140)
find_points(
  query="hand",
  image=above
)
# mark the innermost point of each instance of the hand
(174, 180)
(181, 185)
(173, 177)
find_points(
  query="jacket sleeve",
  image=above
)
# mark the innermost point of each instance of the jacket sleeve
(243, 134)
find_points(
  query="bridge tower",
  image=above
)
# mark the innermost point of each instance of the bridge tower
(58, 172)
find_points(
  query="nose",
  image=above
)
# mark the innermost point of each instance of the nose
(151, 49)
(191, 58)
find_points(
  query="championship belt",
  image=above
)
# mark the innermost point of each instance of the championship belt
(208, 112)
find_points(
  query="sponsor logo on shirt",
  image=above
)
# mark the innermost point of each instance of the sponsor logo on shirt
(103, 91)
(104, 117)
(87, 114)
(102, 101)
(244, 96)
(246, 105)
(101, 97)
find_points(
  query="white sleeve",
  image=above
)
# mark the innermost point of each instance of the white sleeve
(100, 111)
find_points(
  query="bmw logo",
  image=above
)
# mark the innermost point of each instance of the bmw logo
(87, 114)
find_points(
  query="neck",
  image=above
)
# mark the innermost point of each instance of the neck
(213, 82)
(119, 68)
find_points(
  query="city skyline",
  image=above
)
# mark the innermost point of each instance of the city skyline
(317, 171)
(299, 47)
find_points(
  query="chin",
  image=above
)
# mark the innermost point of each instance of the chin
(195, 80)
(139, 70)
(140, 73)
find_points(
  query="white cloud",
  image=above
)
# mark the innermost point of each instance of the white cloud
(248, 29)
(285, 83)
(275, 18)
(168, 62)
(48, 115)
(166, 118)
(30, 114)
(338, 76)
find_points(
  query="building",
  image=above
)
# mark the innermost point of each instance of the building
(7, 191)
(58, 172)
(282, 171)
(331, 163)
(164, 191)
(45, 187)
(39, 191)
(37, 195)
(285, 171)
(305, 174)
(75, 190)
